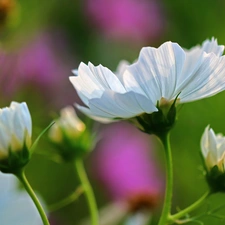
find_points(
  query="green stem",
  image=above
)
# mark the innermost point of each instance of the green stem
(165, 138)
(190, 208)
(68, 200)
(21, 176)
(87, 191)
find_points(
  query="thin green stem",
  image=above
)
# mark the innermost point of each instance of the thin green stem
(66, 201)
(190, 208)
(87, 191)
(21, 176)
(165, 138)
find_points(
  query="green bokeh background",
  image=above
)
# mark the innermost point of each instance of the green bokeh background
(188, 22)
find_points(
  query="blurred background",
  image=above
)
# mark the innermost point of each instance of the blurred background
(42, 41)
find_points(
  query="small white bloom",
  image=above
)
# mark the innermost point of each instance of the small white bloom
(15, 128)
(68, 125)
(16, 206)
(213, 149)
(159, 75)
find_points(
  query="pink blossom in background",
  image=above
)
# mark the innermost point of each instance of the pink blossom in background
(38, 61)
(8, 82)
(42, 65)
(136, 20)
(45, 63)
(124, 163)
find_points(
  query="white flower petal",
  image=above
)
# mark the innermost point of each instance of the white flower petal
(14, 105)
(121, 105)
(212, 46)
(92, 81)
(208, 80)
(221, 149)
(6, 118)
(18, 125)
(207, 46)
(26, 118)
(193, 61)
(87, 111)
(75, 72)
(106, 78)
(5, 138)
(85, 84)
(122, 66)
(156, 71)
(204, 142)
(212, 145)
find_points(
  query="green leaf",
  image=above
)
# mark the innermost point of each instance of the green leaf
(39, 136)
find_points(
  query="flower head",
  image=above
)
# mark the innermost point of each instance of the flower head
(213, 152)
(15, 136)
(69, 134)
(160, 77)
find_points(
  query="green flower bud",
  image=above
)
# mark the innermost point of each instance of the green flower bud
(70, 136)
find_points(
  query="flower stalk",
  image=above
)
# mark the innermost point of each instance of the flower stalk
(165, 138)
(87, 191)
(66, 201)
(21, 176)
(166, 217)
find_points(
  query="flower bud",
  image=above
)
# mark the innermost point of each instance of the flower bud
(213, 152)
(69, 135)
(15, 137)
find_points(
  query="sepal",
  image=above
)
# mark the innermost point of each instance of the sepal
(15, 161)
(159, 122)
(70, 149)
(216, 180)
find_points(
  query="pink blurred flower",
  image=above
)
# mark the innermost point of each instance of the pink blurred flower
(38, 62)
(125, 165)
(41, 65)
(8, 82)
(137, 20)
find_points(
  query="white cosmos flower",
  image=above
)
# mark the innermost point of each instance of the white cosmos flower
(213, 149)
(158, 74)
(15, 128)
(16, 206)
